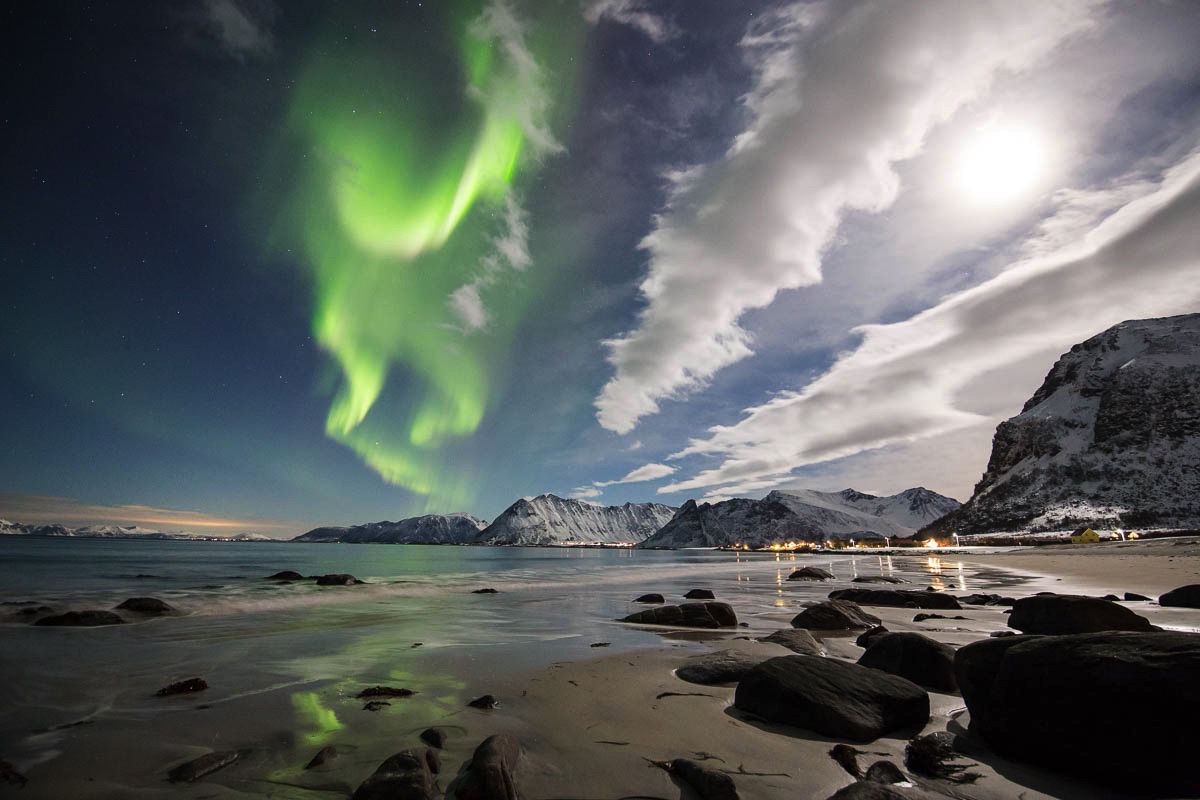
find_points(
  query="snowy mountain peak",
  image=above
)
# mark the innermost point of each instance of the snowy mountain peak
(1110, 438)
(800, 515)
(456, 528)
(550, 519)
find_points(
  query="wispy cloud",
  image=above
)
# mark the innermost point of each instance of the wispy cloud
(243, 27)
(647, 472)
(906, 381)
(42, 509)
(841, 97)
(634, 13)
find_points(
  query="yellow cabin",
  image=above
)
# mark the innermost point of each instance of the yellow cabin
(1085, 536)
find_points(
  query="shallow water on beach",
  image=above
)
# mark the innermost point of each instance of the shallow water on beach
(284, 660)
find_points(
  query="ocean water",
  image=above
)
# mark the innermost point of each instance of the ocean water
(284, 660)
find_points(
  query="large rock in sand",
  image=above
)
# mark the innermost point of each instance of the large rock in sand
(408, 775)
(688, 615)
(922, 660)
(723, 666)
(88, 618)
(798, 640)
(1185, 597)
(150, 606)
(870, 790)
(901, 598)
(834, 615)
(831, 697)
(811, 574)
(1069, 613)
(490, 773)
(1057, 701)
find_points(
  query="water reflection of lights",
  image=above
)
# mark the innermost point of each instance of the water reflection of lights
(962, 578)
(934, 564)
(936, 584)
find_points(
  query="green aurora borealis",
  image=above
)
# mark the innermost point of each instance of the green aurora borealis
(407, 190)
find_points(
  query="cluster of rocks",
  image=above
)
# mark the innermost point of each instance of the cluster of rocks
(1033, 695)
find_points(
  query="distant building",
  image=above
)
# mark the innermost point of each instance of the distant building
(1085, 536)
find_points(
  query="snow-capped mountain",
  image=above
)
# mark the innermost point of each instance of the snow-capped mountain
(549, 519)
(457, 528)
(913, 508)
(801, 515)
(8, 528)
(1112, 438)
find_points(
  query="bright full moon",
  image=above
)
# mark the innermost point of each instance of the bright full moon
(999, 163)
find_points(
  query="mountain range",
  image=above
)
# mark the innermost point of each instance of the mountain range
(801, 516)
(457, 528)
(1110, 439)
(119, 532)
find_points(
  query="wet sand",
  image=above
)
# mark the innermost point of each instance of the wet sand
(592, 723)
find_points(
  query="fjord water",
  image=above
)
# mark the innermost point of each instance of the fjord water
(283, 660)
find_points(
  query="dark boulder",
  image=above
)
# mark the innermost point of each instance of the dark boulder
(885, 772)
(834, 615)
(910, 655)
(384, 691)
(337, 579)
(285, 575)
(870, 790)
(1135, 597)
(811, 574)
(375, 705)
(188, 686)
(150, 606)
(1041, 698)
(923, 616)
(434, 737)
(485, 590)
(688, 615)
(864, 639)
(798, 640)
(1184, 597)
(723, 666)
(980, 599)
(706, 782)
(1068, 613)
(485, 702)
(325, 754)
(652, 597)
(89, 618)
(877, 579)
(832, 697)
(700, 594)
(490, 775)
(407, 775)
(197, 768)
(901, 598)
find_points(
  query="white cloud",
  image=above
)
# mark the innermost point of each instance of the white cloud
(841, 97)
(584, 493)
(633, 13)
(648, 472)
(511, 252)
(243, 28)
(915, 379)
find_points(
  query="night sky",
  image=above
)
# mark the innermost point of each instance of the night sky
(272, 265)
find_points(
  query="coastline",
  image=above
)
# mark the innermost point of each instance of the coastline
(590, 719)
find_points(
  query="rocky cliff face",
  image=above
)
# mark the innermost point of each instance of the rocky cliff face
(800, 516)
(549, 519)
(428, 529)
(1112, 438)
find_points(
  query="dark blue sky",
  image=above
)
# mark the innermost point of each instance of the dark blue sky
(778, 175)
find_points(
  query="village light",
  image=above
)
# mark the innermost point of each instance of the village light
(932, 543)
(956, 542)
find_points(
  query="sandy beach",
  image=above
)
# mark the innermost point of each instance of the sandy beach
(598, 721)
